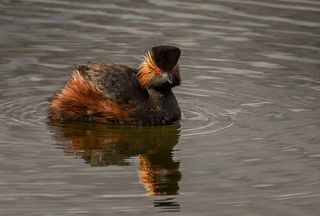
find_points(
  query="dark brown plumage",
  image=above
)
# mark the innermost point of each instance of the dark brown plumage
(117, 94)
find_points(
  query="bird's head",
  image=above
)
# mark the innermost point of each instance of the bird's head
(160, 69)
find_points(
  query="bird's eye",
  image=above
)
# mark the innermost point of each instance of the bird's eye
(158, 71)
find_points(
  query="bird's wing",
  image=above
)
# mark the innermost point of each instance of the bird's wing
(115, 81)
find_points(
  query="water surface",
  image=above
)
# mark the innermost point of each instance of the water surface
(248, 143)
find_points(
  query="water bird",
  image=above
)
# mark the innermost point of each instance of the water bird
(118, 94)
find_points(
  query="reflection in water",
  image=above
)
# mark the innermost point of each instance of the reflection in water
(167, 204)
(104, 145)
(159, 173)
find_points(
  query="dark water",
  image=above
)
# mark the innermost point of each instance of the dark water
(249, 140)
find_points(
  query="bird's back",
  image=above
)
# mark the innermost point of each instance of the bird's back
(117, 82)
(101, 92)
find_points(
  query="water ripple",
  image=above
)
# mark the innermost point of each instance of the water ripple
(233, 12)
(200, 118)
(249, 101)
(30, 111)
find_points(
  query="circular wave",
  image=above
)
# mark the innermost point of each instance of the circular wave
(30, 111)
(201, 118)
(198, 119)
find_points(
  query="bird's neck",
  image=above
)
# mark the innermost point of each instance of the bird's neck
(161, 108)
(158, 99)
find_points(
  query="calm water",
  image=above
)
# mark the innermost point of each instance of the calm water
(248, 143)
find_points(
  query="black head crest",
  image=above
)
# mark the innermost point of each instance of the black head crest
(166, 57)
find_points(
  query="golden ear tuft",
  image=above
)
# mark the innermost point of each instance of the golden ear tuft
(146, 70)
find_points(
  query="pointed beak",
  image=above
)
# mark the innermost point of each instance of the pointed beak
(169, 78)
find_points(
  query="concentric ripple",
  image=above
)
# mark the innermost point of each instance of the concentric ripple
(201, 118)
(197, 119)
(29, 111)
(249, 136)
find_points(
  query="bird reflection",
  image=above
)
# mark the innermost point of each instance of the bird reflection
(104, 145)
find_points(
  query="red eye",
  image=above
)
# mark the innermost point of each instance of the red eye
(158, 71)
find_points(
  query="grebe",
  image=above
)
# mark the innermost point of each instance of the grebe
(117, 94)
